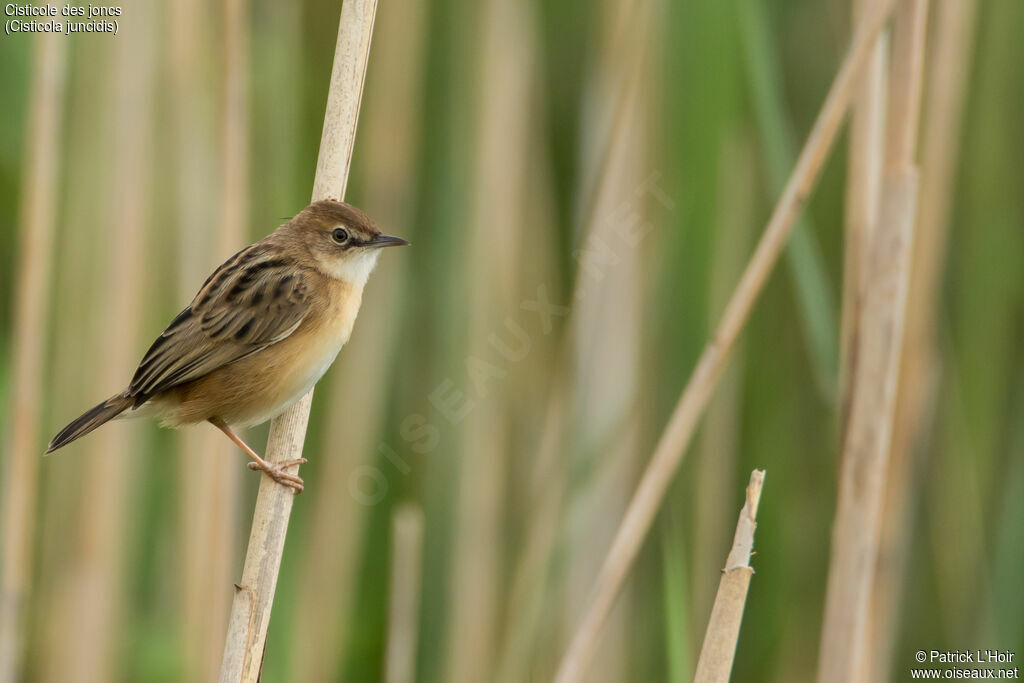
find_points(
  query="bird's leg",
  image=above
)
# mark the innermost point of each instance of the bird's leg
(274, 470)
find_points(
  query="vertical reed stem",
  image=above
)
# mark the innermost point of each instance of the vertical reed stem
(250, 610)
(882, 311)
(94, 603)
(919, 363)
(207, 529)
(403, 615)
(863, 188)
(31, 305)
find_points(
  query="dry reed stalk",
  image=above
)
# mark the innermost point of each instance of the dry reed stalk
(207, 504)
(865, 453)
(723, 631)
(500, 200)
(865, 450)
(254, 596)
(331, 557)
(863, 188)
(715, 468)
(37, 220)
(207, 542)
(905, 85)
(526, 603)
(235, 151)
(76, 295)
(672, 445)
(403, 613)
(607, 319)
(947, 77)
(96, 596)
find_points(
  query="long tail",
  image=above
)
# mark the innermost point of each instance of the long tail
(91, 419)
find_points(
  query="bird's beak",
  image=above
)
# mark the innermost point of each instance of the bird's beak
(386, 241)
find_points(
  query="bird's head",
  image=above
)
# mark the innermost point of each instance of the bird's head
(341, 240)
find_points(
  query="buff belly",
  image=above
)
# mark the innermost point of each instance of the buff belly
(256, 388)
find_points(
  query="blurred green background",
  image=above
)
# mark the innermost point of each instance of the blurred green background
(615, 159)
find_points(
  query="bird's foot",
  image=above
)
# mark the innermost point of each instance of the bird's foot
(276, 472)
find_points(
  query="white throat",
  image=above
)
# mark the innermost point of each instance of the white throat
(356, 270)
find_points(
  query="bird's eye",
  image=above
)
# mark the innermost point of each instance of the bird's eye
(339, 235)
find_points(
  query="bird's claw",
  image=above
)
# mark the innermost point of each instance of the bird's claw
(276, 472)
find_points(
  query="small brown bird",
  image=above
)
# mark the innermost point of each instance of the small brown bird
(262, 330)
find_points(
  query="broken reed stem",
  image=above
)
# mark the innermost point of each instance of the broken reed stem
(403, 614)
(677, 435)
(38, 215)
(719, 649)
(865, 452)
(250, 610)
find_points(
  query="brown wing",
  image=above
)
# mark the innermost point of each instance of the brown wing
(256, 298)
